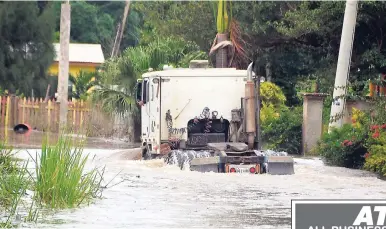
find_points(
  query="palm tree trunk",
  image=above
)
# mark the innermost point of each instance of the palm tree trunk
(222, 53)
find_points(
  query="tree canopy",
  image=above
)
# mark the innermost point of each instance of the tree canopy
(26, 32)
(290, 41)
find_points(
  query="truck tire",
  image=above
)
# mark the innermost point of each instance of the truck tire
(146, 154)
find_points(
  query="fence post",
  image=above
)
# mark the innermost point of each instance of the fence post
(49, 115)
(2, 99)
(7, 112)
(42, 118)
(74, 107)
(81, 114)
(13, 111)
(24, 110)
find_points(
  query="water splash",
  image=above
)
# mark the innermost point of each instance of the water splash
(182, 158)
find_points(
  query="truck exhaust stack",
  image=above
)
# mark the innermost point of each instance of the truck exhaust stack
(250, 107)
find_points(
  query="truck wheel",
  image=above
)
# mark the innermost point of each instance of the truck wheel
(146, 153)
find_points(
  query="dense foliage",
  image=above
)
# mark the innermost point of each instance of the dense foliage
(376, 143)
(281, 125)
(344, 146)
(361, 144)
(283, 132)
(26, 33)
(291, 41)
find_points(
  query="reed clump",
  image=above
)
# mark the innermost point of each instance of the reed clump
(14, 181)
(61, 177)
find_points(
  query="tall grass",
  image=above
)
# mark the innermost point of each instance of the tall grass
(14, 181)
(61, 180)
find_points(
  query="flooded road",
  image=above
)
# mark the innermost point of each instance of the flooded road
(154, 195)
(34, 140)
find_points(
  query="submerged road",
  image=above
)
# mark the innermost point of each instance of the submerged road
(155, 195)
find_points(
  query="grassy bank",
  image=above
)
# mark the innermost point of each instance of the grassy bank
(60, 181)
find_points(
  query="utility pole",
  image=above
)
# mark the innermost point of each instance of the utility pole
(116, 40)
(65, 25)
(344, 60)
(121, 28)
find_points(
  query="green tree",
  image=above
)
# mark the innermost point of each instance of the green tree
(82, 83)
(319, 25)
(26, 35)
(191, 20)
(96, 22)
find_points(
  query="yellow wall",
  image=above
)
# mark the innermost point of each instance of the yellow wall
(74, 68)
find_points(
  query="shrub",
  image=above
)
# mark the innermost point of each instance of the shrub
(271, 94)
(376, 142)
(283, 131)
(61, 181)
(281, 126)
(343, 146)
(376, 155)
(268, 113)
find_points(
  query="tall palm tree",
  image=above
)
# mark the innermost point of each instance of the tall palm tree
(228, 43)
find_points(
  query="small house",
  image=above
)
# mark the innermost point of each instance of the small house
(85, 57)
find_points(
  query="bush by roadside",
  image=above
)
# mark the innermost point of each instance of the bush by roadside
(376, 155)
(361, 144)
(281, 126)
(283, 132)
(343, 147)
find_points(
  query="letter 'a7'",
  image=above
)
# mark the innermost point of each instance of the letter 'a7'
(366, 216)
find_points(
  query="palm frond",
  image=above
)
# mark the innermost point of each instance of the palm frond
(115, 101)
(240, 57)
(82, 83)
(134, 61)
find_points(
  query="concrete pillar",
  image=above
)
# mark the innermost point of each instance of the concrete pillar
(312, 120)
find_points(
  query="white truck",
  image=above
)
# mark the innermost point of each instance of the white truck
(201, 108)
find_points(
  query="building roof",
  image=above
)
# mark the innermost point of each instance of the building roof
(83, 53)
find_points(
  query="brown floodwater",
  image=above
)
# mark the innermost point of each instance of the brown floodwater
(34, 140)
(152, 194)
